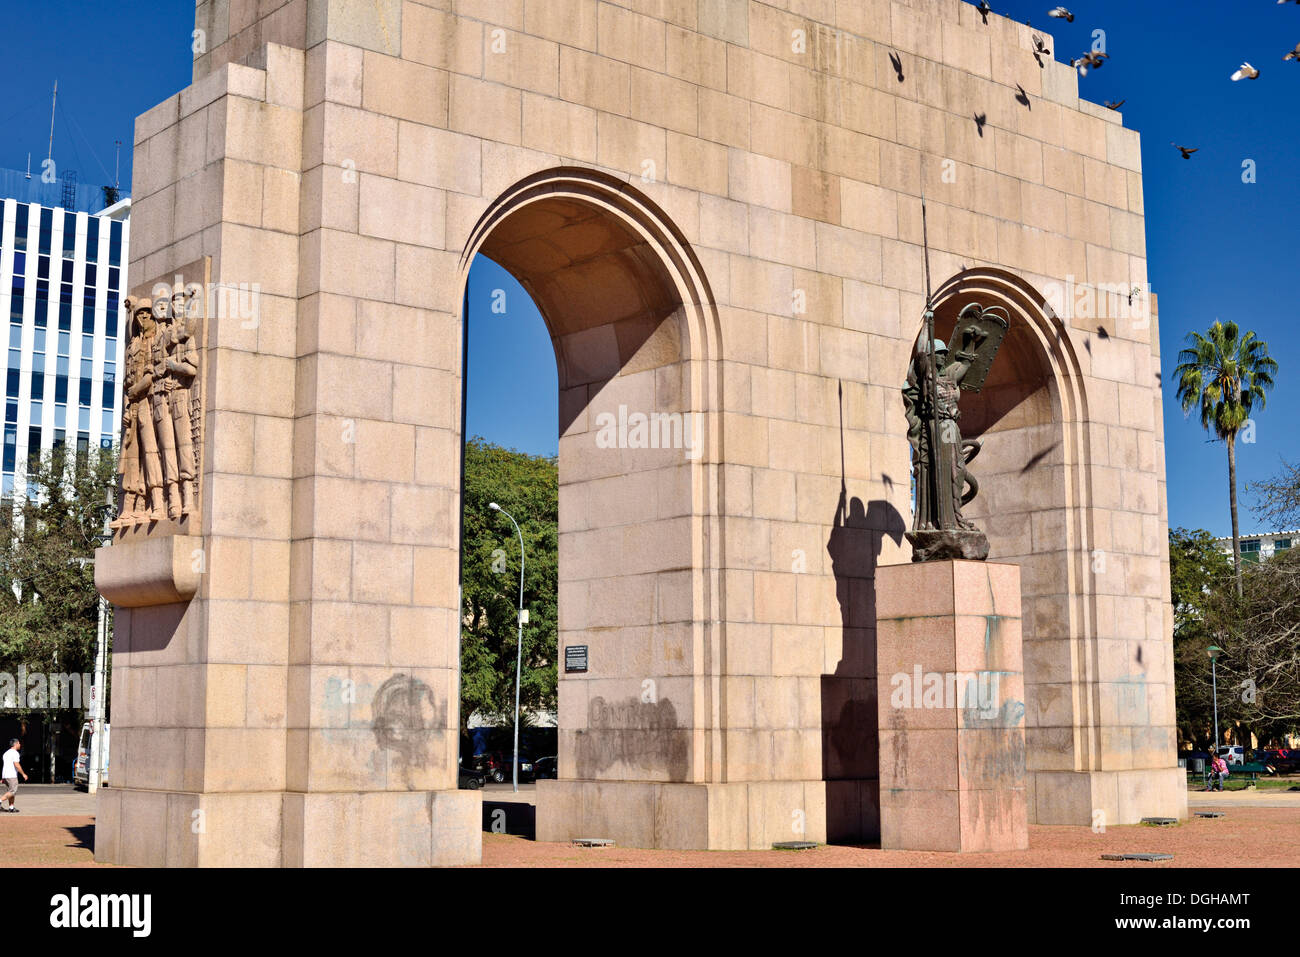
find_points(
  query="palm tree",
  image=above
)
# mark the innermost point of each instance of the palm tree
(1225, 373)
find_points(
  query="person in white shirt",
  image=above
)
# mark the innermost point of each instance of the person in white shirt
(12, 768)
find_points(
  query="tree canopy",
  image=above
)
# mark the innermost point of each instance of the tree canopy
(526, 486)
(49, 608)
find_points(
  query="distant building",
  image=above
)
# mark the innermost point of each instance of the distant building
(1254, 548)
(63, 263)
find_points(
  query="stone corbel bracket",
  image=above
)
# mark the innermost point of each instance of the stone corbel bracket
(152, 571)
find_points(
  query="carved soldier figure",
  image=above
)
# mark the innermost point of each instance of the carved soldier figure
(161, 386)
(140, 466)
(940, 457)
(182, 364)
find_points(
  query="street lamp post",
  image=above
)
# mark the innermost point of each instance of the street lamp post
(94, 773)
(1214, 651)
(96, 769)
(519, 644)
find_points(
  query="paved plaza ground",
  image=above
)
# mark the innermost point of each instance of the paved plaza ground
(1259, 829)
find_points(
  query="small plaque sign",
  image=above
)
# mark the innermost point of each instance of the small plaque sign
(575, 658)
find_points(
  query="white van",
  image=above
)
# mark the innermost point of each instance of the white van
(81, 769)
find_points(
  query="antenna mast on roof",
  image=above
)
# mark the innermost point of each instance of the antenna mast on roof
(117, 166)
(53, 104)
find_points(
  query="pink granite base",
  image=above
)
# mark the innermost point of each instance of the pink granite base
(951, 705)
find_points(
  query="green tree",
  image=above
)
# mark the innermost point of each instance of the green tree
(1259, 672)
(1277, 499)
(1225, 374)
(526, 486)
(49, 608)
(1198, 571)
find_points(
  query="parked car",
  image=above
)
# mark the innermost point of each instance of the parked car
(470, 780)
(500, 764)
(1233, 753)
(547, 768)
(81, 767)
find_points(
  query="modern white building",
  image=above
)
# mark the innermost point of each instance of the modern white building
(62, 279)
(1256, 548)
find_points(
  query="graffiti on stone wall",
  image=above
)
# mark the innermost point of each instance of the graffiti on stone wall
(640, 736)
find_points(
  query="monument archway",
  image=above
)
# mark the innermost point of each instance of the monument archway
(716, 226)
(633, 326)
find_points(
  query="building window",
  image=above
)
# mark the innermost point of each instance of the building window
(69, 235)
(115, 243)
(92, 239)
(33, 449)
(1250, 550)
(47, 230)
(1282, 545)
(20, 230)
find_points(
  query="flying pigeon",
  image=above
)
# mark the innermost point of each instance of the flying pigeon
(897, 63)
(1112, 105)
(980, 120)
(1063, 14)
(984, 9)
(1294, 54)
(1187, 151)
(1040, 46)
(1246, 72)
(1090, 59)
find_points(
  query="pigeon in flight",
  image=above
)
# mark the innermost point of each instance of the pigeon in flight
(1063, 14)
(1113, 105)
(1294, 54)
(1040, 46)
(897, 62)
(984, 9)
(1090, 59)
(1187, 151)
(1246, 72)
(980, 120)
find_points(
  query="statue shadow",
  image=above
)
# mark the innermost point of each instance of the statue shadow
(850, 723)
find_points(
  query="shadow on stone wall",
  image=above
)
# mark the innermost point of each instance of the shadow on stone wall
(850, 723)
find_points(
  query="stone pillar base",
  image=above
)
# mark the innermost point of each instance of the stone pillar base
(738, 816)
(290, 829)
(951, 704)
(1089, 798)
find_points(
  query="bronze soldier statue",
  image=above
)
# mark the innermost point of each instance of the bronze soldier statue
(940, 456)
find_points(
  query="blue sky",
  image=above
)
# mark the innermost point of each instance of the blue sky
(1217, 248)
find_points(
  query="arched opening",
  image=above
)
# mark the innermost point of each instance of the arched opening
(630, 322)
(1033, 505)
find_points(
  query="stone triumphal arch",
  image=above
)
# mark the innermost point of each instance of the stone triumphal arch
(716, 206)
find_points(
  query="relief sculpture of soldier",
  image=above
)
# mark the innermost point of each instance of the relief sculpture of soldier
(181, 365)
(940, 456)
(158, 465)
(139, 465)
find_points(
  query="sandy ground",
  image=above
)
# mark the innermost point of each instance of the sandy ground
(1246, 837)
